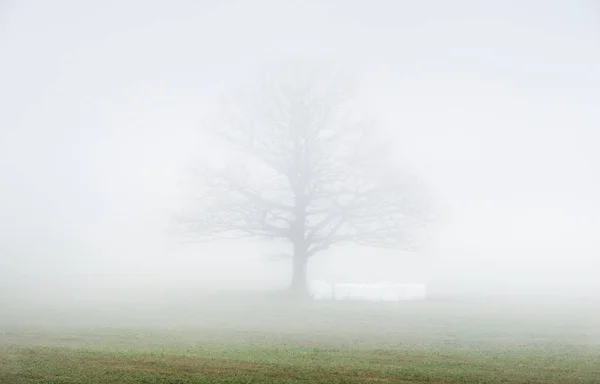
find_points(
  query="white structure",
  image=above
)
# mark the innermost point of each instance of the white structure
(321, 290)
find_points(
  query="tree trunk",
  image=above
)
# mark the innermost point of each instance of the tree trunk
(299, 285)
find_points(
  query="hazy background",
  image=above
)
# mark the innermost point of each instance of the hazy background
(495, 103)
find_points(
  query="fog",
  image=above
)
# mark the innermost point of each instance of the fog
(494, 104)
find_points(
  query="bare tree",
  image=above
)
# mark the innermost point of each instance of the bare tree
(311, 173)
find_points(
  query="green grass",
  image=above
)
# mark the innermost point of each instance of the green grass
(261, 342)
(295, 365)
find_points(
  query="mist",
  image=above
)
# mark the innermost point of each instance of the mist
(493, 104)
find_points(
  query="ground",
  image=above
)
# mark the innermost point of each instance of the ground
(264, 341)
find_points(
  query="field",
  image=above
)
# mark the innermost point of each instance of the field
(248, 340)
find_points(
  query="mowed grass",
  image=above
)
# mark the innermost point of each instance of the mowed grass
(245, 341)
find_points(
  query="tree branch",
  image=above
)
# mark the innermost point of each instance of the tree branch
(327, 174)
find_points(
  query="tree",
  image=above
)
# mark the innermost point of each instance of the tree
(309, 172)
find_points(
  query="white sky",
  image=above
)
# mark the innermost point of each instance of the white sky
(495, 103)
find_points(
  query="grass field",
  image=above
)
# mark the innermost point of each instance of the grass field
(264, 341)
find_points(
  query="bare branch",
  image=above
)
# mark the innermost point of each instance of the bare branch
(324, 172)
